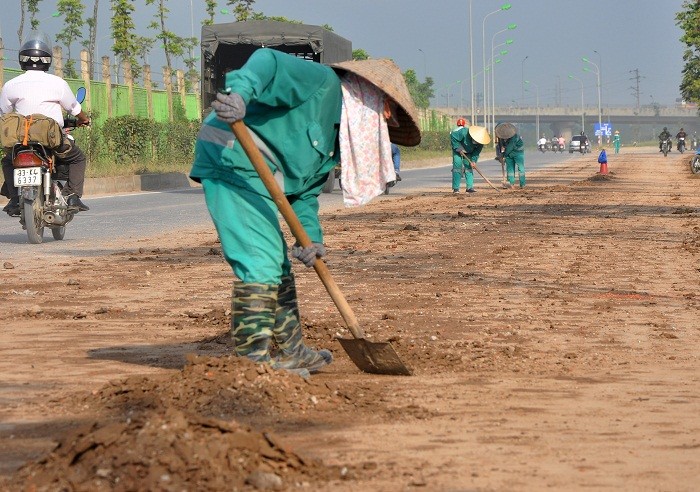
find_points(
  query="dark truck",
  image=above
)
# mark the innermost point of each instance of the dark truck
(226, 47)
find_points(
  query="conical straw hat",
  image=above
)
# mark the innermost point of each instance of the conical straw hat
(480, 134)
(505, 130)
(387, 76)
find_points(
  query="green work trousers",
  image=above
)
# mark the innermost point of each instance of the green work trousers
(246, 220)
(516, 159)
(460, 166)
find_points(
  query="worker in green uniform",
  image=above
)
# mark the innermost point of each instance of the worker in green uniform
(296, 113)
(513, 151)
(616, 141)
(466, 143)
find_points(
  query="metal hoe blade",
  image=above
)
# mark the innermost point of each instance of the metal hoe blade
(374, 357)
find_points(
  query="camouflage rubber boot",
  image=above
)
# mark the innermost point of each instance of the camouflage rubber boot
(252, 319)
(294, 353)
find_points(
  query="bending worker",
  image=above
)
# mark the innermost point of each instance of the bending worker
(305, 117)
(513, 151)
(467, 143)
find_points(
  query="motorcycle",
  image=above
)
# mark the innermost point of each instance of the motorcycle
(695, 162)
(39, 181)
(666, 146)
(681, 145)
(542, 147)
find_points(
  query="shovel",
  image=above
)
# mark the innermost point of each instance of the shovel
(371, 357)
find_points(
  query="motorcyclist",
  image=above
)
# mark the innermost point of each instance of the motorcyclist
(37, 91)
(664, 136)
(681, 135)
(542, 143)
(584, 141)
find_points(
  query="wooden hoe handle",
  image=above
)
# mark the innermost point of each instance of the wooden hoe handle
(298, 231)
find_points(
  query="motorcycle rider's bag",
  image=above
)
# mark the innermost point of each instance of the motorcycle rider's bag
(16, 128)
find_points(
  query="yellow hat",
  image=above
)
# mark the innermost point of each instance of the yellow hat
(479, 134)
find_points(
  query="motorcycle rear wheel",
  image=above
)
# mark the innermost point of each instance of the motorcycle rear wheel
(695, 165)
(33, 219)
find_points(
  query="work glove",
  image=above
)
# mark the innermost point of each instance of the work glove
(309, 254)
(229, 107)
(463, 154)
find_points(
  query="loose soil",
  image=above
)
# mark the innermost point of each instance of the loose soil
(552, 331)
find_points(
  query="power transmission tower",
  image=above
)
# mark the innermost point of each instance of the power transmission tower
(635, 90)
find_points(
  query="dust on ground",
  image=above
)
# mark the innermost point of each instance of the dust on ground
(552, 331)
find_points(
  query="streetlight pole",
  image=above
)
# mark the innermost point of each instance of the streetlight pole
(600, 68)
(493, 40)
(522, 81)
(537, 98)
(583, 122)
(425, 71)
(492, 64)
(505, 6)
(471, 65)
(600, 108)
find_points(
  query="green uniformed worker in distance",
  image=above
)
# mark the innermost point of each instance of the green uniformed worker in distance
(616, 141)
(466, 143)
(305, 117)
(513, 152)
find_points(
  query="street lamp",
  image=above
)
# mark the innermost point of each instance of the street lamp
(537, 98)
(494, 61)
(425, 71)
(493, 39)
(600, 67)
(505, 6)
(583, 122)
(522, 81)
(600, 111)
(471, 65)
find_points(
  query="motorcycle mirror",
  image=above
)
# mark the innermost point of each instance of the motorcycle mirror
(80, 94)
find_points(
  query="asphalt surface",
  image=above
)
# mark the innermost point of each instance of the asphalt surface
(133, 216)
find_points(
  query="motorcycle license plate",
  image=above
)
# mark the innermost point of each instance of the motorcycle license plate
(28, 176)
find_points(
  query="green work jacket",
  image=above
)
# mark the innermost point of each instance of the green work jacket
(293, 106)
(514, 145)
(461, 140)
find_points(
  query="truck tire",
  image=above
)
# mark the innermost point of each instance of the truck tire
(329, 185)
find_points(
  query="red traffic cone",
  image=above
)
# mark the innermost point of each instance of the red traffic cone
(603, 160)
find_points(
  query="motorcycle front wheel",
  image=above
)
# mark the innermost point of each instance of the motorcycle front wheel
(695, 165)
(33, 219)
(58, 232)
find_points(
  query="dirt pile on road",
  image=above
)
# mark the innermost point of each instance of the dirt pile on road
(169, 450)
(178, 431)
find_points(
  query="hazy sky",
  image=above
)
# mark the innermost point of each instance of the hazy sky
(432, 37)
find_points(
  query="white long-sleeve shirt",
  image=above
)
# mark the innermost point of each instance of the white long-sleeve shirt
(38, 92)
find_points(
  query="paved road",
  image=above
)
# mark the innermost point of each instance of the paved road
(139, 215)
